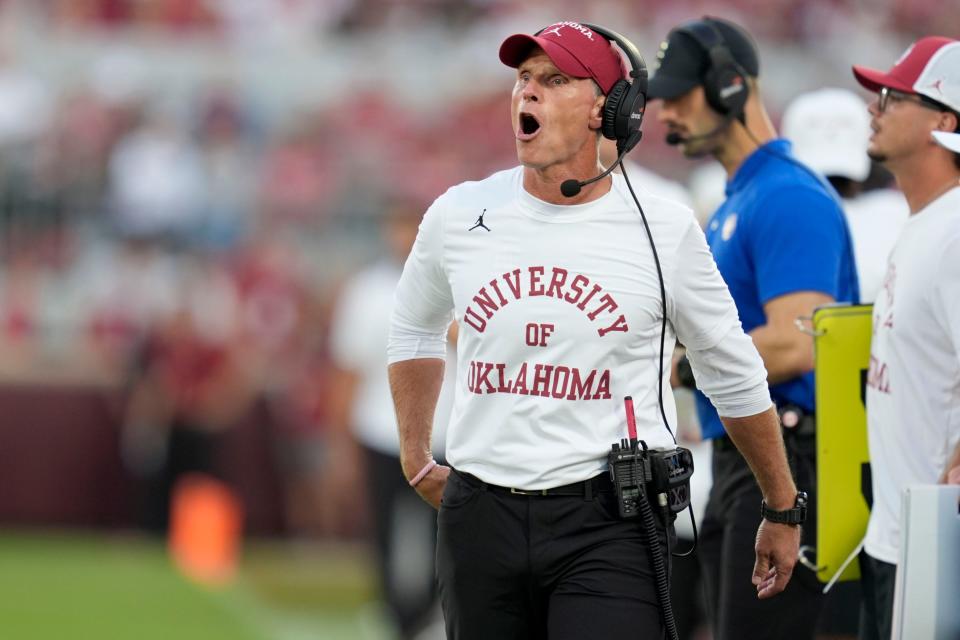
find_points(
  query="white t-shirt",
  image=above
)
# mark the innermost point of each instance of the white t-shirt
(358, 343)
(559, 311)
(875, 220)
(913, 385)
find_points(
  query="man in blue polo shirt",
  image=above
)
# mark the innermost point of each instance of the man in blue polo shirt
(782, 244)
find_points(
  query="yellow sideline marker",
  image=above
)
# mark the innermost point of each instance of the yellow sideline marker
(842, 338)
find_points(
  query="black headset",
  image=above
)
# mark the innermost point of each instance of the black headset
(725, 82)
(626, 101)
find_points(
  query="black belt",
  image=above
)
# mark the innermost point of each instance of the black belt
(583, 489)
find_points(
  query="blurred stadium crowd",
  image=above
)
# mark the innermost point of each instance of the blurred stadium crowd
(184, 184)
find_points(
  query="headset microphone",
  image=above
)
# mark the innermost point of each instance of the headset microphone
(673, 139)
(572, 187)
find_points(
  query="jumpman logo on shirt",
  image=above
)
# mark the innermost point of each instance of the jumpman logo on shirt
(480, 222)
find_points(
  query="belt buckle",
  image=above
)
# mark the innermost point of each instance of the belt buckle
(522, 492)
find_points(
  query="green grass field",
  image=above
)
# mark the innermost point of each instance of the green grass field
(80, 586)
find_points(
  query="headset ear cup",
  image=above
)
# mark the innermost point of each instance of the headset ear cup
(726, 89)
(711, 91)
(611, 109)
(734, 91)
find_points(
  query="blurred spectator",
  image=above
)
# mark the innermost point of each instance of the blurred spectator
(188, 388)
(20, 322)
(125, 291)
(156, 181)
(364, 430)
(273, 310)
(26, 105)
(252, 23)
(26, 109)
(830, 130)
(76, 153)
(229, 164)
(298, 178)
(169, 14)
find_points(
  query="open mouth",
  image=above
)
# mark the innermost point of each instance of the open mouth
(529, 127)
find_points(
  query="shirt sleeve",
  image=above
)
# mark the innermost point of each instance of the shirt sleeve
(725, 362)
(731, 374)
(797, 243)
(423, 303)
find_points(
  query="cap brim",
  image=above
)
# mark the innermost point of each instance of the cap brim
(663, 87)
(950, 141)
(874, 80)
(516, 48)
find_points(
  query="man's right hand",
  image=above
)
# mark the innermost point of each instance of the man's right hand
(432, 486)
(777, 550)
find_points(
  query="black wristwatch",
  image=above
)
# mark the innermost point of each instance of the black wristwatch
(796, 515)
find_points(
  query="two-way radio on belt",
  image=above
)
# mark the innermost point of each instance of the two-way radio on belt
(636, 470)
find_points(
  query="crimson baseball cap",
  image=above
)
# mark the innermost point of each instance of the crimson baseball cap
(930, 67)
(576, 50)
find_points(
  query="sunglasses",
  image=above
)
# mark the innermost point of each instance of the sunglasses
(888, 95)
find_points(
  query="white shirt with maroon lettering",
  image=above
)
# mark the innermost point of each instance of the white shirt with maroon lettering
(913, 385)
(559, 311)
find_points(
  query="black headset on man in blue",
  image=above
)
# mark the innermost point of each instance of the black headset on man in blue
(724, 83)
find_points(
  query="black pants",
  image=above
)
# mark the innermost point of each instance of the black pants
(877, 580)
(514, 567)
(727, 552)
(190, 449)
(686, 591)
(405, 529)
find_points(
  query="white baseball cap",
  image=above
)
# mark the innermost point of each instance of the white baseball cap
(830, 132)
(949, 140)
(929, 67)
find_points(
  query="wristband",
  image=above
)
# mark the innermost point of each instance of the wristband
(427, 468)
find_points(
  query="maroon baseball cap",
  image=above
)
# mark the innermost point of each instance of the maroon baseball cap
(927, 68)
(576, 50)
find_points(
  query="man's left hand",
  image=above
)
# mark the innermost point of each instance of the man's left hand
(777, 549)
